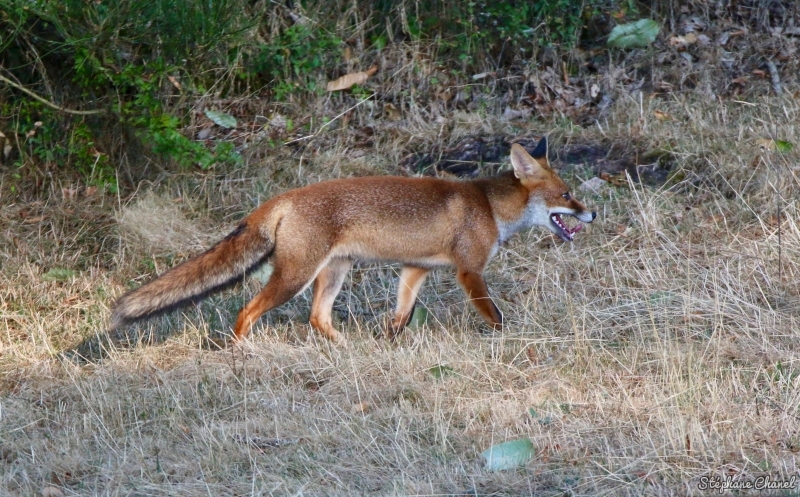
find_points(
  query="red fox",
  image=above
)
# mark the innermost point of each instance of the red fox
(315, 233)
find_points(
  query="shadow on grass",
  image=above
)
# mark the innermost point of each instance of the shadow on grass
(155, 331)
(475, 156)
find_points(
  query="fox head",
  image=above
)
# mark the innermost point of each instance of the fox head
(549, 195)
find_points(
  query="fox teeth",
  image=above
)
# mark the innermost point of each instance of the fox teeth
(568, 232)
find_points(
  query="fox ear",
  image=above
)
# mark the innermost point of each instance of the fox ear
(526, 166)
(540, 152)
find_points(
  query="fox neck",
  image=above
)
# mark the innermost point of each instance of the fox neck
(514, 207)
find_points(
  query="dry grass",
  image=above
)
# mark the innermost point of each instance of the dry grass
(659, 348)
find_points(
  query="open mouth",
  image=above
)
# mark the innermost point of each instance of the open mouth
(565, 232)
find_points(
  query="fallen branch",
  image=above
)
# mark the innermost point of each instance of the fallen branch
(327, 123)
(47, 102)
(776, 77)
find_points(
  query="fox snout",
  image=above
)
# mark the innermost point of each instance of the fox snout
(587, 217)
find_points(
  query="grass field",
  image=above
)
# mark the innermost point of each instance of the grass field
(659, 349)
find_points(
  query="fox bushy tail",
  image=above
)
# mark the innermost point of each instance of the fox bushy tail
(216, 268)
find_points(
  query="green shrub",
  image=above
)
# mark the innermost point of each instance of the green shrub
(119, 56)
(292, 58)
(145, 62)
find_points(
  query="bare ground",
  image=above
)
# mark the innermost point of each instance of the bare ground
(659, 348)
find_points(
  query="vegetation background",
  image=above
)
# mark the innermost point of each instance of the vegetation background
(655, 355)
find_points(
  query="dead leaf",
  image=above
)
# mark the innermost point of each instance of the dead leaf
(664, 86)
(620, 179)
(692, 24)
(684, 41)
(360, 408)
(445, 95)
(594, 91)
(349, 80)
(695, 316)
(594, 185)
(392, 112)
(533, 357)
(364, 136)
(766, 144)
(51, 491)
(348, 53)
(510, 113)
(175, 82)
(662, 116)
(279, 122)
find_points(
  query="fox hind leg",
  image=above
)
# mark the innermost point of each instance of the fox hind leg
(281, 287)
(326, 288)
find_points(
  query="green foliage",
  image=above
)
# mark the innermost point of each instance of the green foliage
(146, 62)
(636, 34)
(292, 58)
(93, 165)
(119, 55)
(192, 34)
(783, 147)
(49, 138)
(508, 455)
(473, 30)
(441, 370)
(40, 138)
(221, 118)
(59, 274)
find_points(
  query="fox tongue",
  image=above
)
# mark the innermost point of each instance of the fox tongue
(566, 228)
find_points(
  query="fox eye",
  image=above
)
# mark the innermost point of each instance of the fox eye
(566, 196)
